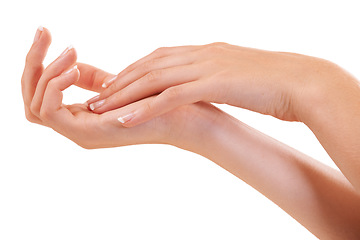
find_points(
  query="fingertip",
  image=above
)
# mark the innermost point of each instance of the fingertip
(78, 74)
(38, 33)
(68, 78)
(126, 119)
(96, 107)
(108, 82)
(74, 70)
(69, 53)
(42, 36)
(41, 43)
(134, 117)
(46, 34)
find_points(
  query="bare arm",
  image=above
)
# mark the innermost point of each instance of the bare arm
(335, 119)
(288, 86)
(317, 196)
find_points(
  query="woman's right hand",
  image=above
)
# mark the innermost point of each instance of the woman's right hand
(42, 94)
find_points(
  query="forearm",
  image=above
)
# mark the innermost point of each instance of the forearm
(317, 196)
(333, 114)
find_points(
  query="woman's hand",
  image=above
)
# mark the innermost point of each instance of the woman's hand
(272, 83)
(42, 94)
(287, 86)
(319, 197)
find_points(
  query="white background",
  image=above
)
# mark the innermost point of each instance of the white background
(52, 189)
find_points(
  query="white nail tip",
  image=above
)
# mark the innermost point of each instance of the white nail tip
(126, 118)
(38, 33)
(96, 105)
(108, 82)
(67, 50)
(71, 69)
(120, 119)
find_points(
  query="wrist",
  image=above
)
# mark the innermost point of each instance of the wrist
(193, 126)
(212, 131)
(322, 80)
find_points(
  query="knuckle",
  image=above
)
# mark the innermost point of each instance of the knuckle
(148, 107)
(92, 79)
(160, 50)
(218, 44)
(29, 58)
(51, 84)
(44, 114)
(148, 65)
(131, 67)
(172, 94)
(32, 60)
(153, 76)
(34, 108)
(30, 117)
(215, 48)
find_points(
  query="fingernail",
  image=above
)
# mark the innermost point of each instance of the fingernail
(108, 82)
(94, 99)
(96, 105)
(38, 33)
(126, 118)
(71, 69)
(67, 50)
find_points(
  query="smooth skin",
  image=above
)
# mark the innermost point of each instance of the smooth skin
(317, 196)
(288, 86)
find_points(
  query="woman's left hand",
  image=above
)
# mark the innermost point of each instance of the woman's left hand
(42, 95)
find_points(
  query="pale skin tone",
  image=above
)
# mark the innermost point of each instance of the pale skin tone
(288, 86)
(320, 198)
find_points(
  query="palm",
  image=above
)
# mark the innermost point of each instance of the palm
(105, 131)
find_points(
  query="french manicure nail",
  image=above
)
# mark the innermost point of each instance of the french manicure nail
(38, 33)
(96, 105)
(71, 69)
(67, 50)
(126, 118)
(108, 82)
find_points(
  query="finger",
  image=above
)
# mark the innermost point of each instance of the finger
(52, 99)
(34, 68)
(145, 68)
(112, 115)
(171, 98)
(91, 78)
(158, 53)
(34, 63)
(152, 83)
(63, 62)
